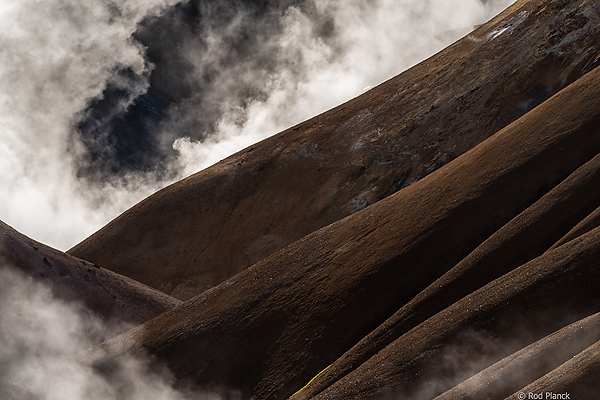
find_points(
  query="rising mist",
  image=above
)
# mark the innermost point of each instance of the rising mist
(40, 336)
(104, 103)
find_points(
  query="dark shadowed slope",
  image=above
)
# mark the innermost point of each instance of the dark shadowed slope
(205, 229)
(590, 222)
(111, 296)
(271, 328)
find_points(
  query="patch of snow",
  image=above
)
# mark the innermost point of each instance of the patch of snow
(498, 33)
(509, 26)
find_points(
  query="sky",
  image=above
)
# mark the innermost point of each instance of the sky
(102, 103)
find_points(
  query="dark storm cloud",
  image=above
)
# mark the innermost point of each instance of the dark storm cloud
(209, 58)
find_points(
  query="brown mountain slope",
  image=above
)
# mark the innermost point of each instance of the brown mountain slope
(206, 228)
(527, 365)
(111, 296)
(507, 314)
(579, 377)
(586, 225)
(525, 237)
(272, 327)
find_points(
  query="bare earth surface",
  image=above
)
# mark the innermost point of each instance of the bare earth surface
(435, 237)
(112, 297)
(214, 224)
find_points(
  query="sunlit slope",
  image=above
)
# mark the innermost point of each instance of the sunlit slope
(270, 329)
(208, 227)
(114, 298)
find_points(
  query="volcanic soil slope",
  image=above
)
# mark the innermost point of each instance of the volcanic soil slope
(116, 301)
(113, 298)
(214, 224)
(437, 236)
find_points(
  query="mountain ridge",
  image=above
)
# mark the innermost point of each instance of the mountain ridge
(263, 198)
(307, 294)
(435, 237)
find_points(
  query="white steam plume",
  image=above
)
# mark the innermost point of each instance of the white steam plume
(58, 55)
(375, 40)
(40, 334)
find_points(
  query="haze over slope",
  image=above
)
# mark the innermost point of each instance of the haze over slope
(103, 103)
(109, 296)
(435, 237)
(223, 219)
(454, 276)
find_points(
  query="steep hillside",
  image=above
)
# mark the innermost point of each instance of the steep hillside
(207, 228)
(412, 295)
(112, 297)
(511, 374)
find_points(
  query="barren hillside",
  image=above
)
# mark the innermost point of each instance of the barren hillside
(110, 296)
(475, 264)
(435, 237)
(214, 224)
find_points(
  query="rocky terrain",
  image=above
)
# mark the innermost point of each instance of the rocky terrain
(435, 237)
